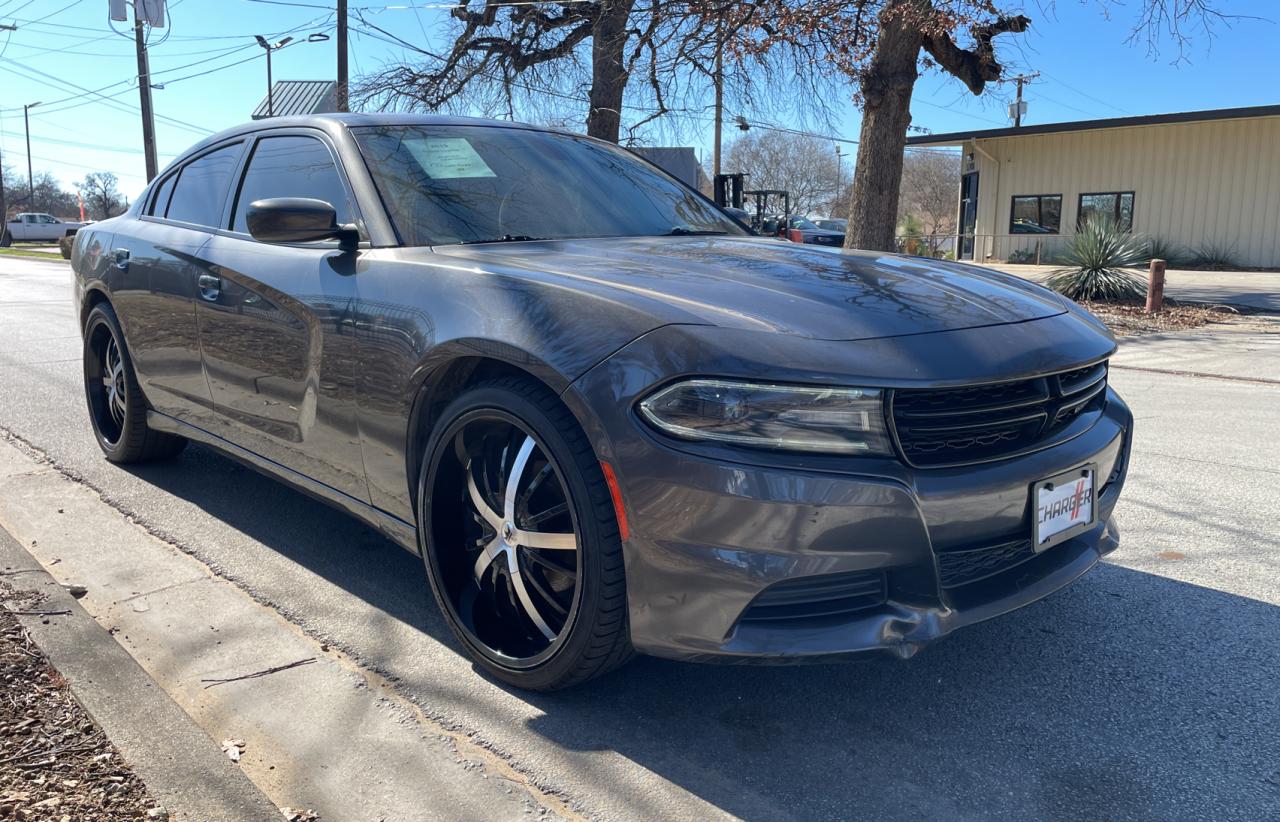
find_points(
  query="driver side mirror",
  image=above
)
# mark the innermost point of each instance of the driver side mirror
(298, 220)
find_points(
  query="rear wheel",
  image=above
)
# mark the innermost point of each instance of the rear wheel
(117, 408)
(520, 538)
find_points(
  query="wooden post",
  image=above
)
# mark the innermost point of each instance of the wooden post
(1155, 287)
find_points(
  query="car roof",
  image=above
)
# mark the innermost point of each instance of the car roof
(335, 123)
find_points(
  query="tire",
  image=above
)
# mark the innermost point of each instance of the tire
(498, 557)
(117, 408)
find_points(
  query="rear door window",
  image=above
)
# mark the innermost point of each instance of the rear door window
(201, 190)
(291, 166)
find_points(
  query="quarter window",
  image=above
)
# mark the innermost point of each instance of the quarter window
(291, 167)
(201, 190)
(160, 202)
(1036, 214)
(1115, 207)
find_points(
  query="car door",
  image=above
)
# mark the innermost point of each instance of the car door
(276, 322)
(21, 227)
(159, 258)
(48, 227)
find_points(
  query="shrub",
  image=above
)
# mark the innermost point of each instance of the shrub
(1214, 257)
(1174, 255)
(1098, 264)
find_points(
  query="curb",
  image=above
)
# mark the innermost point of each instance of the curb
(182, 767)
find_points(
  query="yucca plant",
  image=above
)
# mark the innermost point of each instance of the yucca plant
(1213, 256)
(1098, 264)
(1158, 248)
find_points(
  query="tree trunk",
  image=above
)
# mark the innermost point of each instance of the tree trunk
(608, 70)
(886, 113)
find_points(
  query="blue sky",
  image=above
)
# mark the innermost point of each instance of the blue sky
(63, 48)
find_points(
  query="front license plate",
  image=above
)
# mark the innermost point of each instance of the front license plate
(1064, 506)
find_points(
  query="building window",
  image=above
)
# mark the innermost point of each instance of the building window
(1036, 214)
(1115, 207)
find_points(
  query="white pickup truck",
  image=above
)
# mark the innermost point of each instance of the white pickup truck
(28, 227)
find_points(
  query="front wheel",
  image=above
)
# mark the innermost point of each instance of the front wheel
(520, 538)
(117, 408)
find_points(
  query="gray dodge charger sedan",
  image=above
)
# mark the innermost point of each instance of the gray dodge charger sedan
(607, 418)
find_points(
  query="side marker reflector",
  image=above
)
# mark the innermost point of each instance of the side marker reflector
(619, 509)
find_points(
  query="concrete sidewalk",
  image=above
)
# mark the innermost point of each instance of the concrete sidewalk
(1254, 289)
(182, 767)
(321, 732)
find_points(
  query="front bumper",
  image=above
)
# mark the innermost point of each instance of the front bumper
(708, 537)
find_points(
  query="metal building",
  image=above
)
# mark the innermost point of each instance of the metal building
(1193, 180)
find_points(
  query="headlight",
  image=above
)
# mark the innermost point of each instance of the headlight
(784, 417)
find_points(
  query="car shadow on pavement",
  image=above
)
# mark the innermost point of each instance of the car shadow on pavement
(1126, 696)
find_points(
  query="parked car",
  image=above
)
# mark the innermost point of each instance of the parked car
(836, 224)
(28, 227)
(802, 230)
(607, 418)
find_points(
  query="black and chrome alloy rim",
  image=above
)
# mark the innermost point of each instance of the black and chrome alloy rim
(105, 383)
(505, 542)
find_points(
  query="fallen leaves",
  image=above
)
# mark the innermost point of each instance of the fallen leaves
(55, 763)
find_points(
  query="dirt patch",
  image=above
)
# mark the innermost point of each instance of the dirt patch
(55, 762)
(1130, 319)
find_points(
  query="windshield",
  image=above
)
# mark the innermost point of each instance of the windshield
(802, 224)
(476, 184)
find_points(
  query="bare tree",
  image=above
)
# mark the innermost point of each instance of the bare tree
(801, 164)
(882, 45)
(631, 62)
(930, 194)
(101, 197)
(506, 52)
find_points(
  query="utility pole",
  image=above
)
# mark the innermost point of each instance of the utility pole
(144, 95)
(31, 185)
(1016, 109)
(718, 79)
(4, 208)
(341, 101)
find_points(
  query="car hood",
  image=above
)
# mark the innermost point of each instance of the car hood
(763, 285)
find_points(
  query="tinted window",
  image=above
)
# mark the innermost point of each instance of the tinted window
(1112, 207)
(457, 184)
(1036, 214)
(291, 167)
(202, 186)
(161, 201)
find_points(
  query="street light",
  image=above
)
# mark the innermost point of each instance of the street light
(31, 185)
(270, 47)
(839, 173)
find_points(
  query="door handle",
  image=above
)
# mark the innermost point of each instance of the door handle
(210, 287)
(122, 259)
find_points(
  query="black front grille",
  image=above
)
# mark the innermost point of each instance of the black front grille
(956, 426)
(826, 595)
(958, 568)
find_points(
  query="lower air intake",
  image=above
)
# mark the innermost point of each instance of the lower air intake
(827, 595)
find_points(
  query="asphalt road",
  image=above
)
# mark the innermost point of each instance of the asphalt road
(1148, 690)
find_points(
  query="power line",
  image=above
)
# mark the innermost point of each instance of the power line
(1086, 96)
(120, 106)
(78, 144)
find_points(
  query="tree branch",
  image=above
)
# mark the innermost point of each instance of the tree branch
(977, 66)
